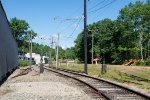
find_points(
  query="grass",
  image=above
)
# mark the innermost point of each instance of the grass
(135, 75)
(23, 63)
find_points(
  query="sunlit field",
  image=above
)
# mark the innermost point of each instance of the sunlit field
(134, 75)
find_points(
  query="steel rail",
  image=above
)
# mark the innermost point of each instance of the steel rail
(75, 75)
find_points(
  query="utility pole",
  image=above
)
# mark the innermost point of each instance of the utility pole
(92, 48)
(30, 49)
(85, 39)
(57, 51)
(51, 51)
(148, 46)
(92, 43)
(141, 46)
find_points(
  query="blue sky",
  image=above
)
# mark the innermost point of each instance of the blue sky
(49, 17)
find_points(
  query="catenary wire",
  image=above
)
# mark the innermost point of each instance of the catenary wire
(93, 11)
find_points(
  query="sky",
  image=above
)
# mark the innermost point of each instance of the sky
(50, 17)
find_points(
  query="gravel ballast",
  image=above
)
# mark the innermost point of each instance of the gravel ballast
(49, 86)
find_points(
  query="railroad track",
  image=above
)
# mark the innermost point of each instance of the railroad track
(108, 90)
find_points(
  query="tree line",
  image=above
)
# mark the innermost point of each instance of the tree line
(127, 37)
(21, 33)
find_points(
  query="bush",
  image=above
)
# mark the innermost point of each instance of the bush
(117, 61)
(143, 63)
(147, 62)
(23, 63)
(140, 63)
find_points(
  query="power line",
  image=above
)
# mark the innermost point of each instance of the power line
(98, 14)
(74, 20)
(69, 25)
(74, 29)
(69, 19)
(102, 7)
(97, 5)
(91, 11)
(74, 12)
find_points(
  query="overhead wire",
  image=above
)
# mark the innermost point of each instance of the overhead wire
(97, 5)
(68, 19)
(102, 12)
(74, 29)
(72, 20)
(102, 9)
(69, 26)
(74, 12)
(93, 11)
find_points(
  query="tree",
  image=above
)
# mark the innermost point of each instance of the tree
(125, 38)
(134, 18)
(79, 47)
(102, 40)
(70, 53)
(20, 31)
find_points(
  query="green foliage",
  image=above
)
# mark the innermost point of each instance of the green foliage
(147, 62)
(140, 63)
(143, 63)
(19, 28)
(120, 39)
(79, 50)
(20, 31)
(115, 40)
(70, 53)
(23, 63)
(31, 32)
(45, 50)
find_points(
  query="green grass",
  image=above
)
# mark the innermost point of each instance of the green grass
(122, 74)
(23, 63)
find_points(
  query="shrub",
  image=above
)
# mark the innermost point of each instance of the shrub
(147, 62)
(148, 57)
(143, 63)
(140, 63)
(117, 61)
(23, 63)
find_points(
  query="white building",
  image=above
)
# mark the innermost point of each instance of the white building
(37, 57)
(45, 59)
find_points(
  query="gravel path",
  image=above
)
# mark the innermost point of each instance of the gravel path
(49, 86)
